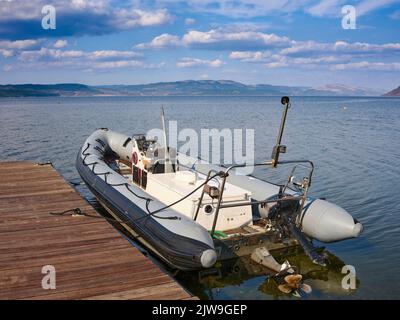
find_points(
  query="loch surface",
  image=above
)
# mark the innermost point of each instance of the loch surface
(354, 143)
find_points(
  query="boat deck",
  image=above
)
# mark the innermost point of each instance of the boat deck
(92, 260)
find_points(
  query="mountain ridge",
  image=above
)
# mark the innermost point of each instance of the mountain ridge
(180, 88)
(393, 93)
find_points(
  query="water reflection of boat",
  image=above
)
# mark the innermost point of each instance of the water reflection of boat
(236, 272)
(326, 280)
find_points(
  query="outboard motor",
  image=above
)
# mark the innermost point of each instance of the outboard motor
(306, 218)
(284, 213)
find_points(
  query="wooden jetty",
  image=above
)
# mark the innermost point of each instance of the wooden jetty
(92, 260)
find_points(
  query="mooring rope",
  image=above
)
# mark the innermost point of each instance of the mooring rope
(79, 212)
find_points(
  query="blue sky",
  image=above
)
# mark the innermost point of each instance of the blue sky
(252, 41)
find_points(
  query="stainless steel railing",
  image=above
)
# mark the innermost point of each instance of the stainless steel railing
(304, 186)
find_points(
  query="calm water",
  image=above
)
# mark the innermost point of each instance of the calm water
(354, 143)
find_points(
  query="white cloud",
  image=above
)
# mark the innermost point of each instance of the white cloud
(271, 50)
(270, 60)
(336, 63)
(304, 47)
(6, 53)
(362, 47)
(326, 8)
(219, 39)
(126, 64)
(193, 62)
(9, 48)
(78, 59)
(117, 64)
(366, 65)
(46, 54)
(249, 56)
(320, 60)
(245, 45)
(135, 18)
(54, 54)
(162, 41)
(308, 47)
(19, 44)
(333, 8)
(190, 21)
(277, 64)
(60, 44)
(79, 17)
(113, 54)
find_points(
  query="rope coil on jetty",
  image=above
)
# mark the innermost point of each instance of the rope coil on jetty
(79, 212)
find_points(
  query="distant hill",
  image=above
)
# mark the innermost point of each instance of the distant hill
(343, 90)
(199, 88)
(179, 88)
(46, 90)
(393, 93)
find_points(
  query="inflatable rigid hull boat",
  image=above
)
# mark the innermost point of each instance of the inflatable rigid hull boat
(191, 213)
(172, 236)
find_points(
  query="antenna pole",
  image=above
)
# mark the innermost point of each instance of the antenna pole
(278, 148)
(167, 162)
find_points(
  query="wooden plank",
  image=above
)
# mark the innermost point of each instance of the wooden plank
(92, 259)
(168, 290)
(101, 290)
